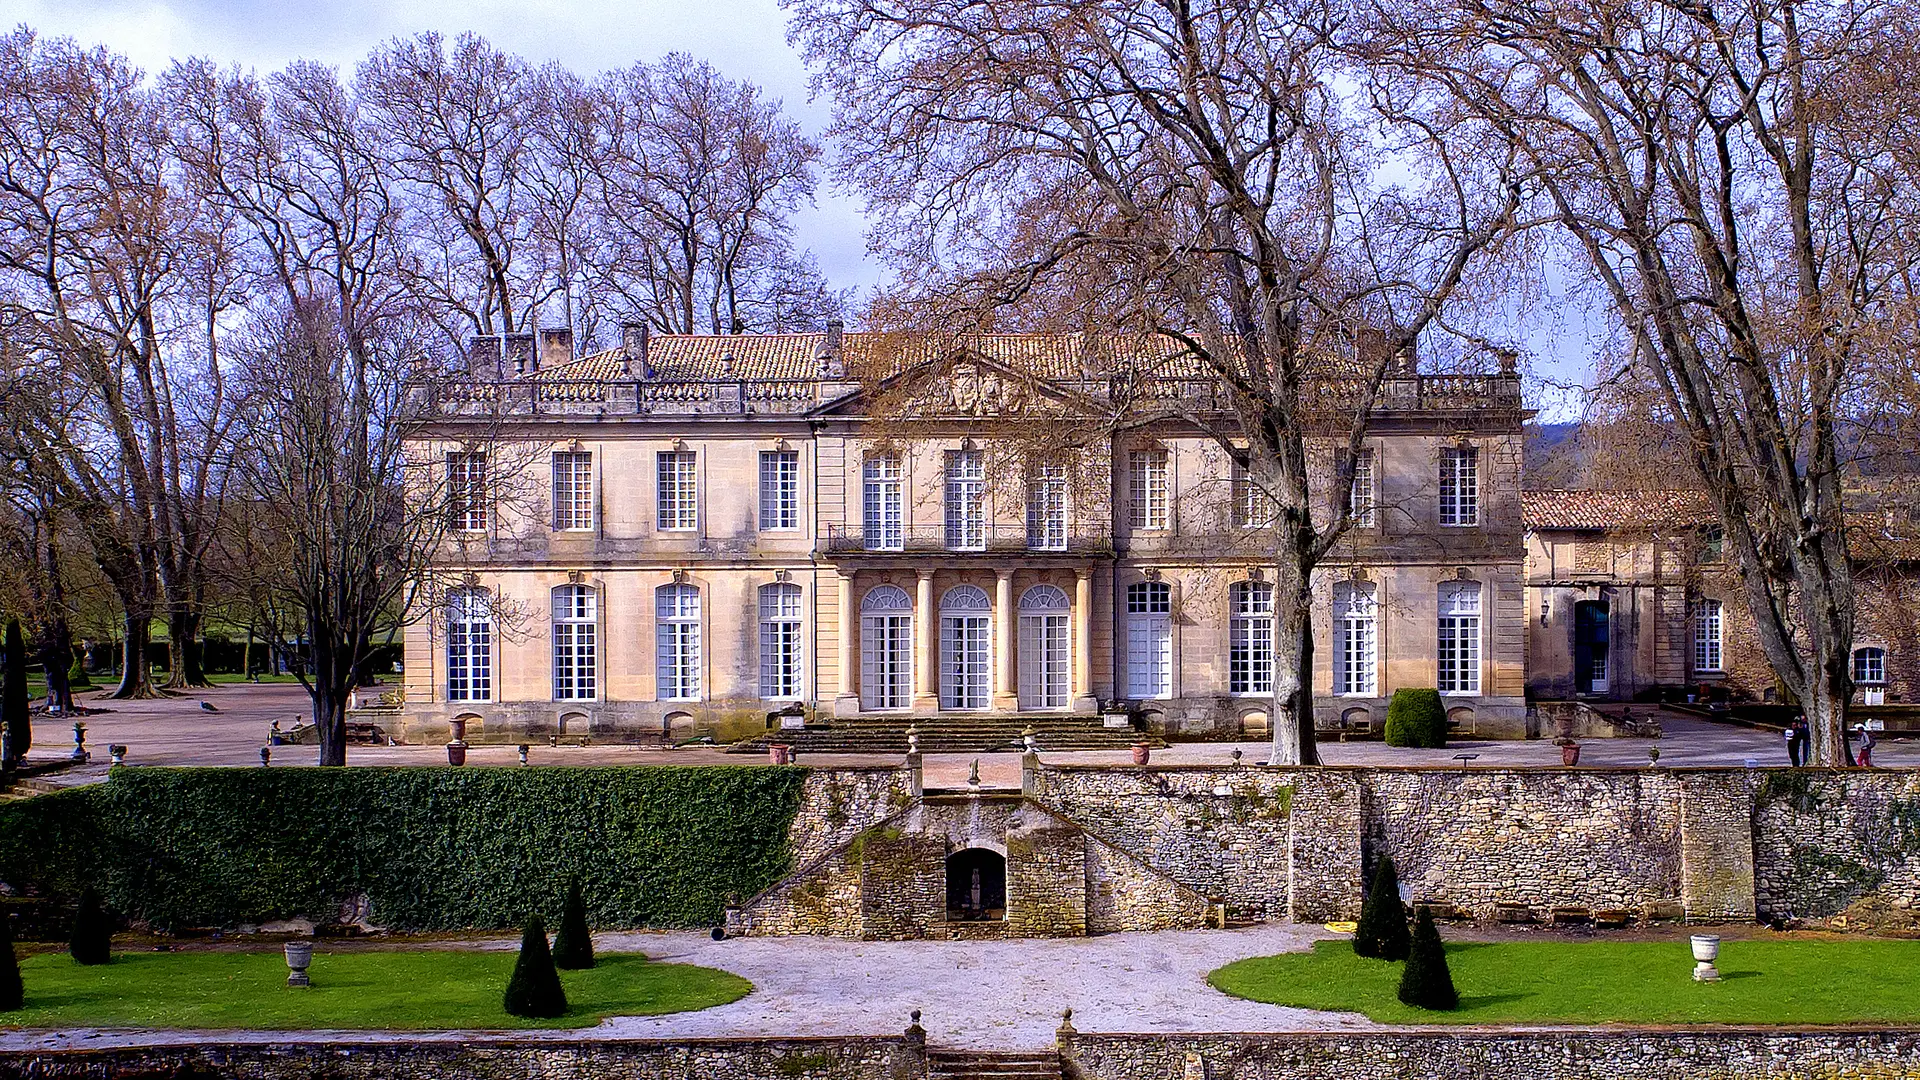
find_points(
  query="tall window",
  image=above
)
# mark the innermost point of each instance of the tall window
(1870, 665)
(780, 640)
(679, 490)
(1707, 630)
(966, 648)
(779, 489)
(1354, 653)
(575, 643)
(1045, 649)
(1149, 639)
(966, 500)
(1253, 507)
(1147, 489)
(1460, 485)
(1459, 641)
(1250, 638)
(886, 648)
(572, 490)
(467, 491)
(1362, 496)
(882, 504)
(677, 632)
(470, 646)
(1047, 507)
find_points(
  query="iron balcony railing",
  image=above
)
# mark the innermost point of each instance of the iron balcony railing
(989, 539)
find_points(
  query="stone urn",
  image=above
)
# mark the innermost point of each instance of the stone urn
(1142, 752)
(1706, 949)
(1569, 752)
(779, 754)
(299, 958)
(457, 731)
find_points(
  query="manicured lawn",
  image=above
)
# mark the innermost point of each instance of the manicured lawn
(403, 990)
(1542, 982)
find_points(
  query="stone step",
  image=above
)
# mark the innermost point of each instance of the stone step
(949, 734)
(985, 1064)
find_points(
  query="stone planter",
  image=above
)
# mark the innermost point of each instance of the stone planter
(1142, 753)
(458, 731)
(1569, 753)
(457, 752)
(1706, 949)
(779, 754)
(299, 958)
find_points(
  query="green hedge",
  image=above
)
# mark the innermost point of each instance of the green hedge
(1416, 717)
(431, 848)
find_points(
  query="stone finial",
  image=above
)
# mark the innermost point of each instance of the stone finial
(973, 775)
(916, 1035)
(1065, 1033)
(913, 738)
(1031, 739)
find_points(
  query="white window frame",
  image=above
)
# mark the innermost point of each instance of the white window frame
(883, 502)
(1459, 487)
(1252, 507)
(1363, 496)
(1149, 488)
(1870, 665)
(677, 637)
(966, 649)
(677, 490)
(1250, 638)
(782, 608)
(470, 645)
(1047, 507)
(1460, 637)
(467, 497)
(1709, 637)
(966, 500)
(1149, 640)
(1356, 639)
(886, 649)
(576, 642)
(779, 490)
(573, 491)
(1045, 648)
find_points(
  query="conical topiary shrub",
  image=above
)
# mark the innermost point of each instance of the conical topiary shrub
(534, 990)
(1427, 983)
(13, 993)
(573, 945)
(92, 941)
(1416, 717)
(1382, 933)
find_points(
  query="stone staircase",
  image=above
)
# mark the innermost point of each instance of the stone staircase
(992, 1065)
(948, 734)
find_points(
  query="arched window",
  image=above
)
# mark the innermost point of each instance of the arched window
(576, 614)
(1870, 665)
(1707, 629)
(1250, 638)
(780, 641)
(470, 645)
(1045, 649)
(1459, 637)
(886, 648)
(677, 634)
(883, 503)
(1355, 648)
(966, 648)
(1149, 639)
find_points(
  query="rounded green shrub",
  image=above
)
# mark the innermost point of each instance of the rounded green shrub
(1427, 983)
(1416, 717)
(573, 944)
(534, 990)
(1382, 932)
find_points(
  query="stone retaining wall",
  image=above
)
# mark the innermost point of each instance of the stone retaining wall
(1476, 1055)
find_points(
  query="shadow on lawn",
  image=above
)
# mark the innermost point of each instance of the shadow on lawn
(1469, 1002)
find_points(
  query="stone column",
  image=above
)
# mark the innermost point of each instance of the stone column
(847, 700)
(926, 665)
(1003, 615)
(1083, 640)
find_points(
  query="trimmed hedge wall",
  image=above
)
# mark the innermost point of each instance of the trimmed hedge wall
(430, 848)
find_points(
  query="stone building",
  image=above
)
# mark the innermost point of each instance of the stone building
(1629, 598)
(686, 533)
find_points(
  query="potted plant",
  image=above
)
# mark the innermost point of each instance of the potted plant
(1569, 751)
(1142, 751)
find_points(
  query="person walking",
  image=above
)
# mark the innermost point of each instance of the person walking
(1865, 759)
(1801, 748)
(1791, 735)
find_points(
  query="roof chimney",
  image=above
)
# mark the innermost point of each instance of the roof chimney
(483, 356)
(633, 346)
(556, 346)
(827, 353)
(520, 359)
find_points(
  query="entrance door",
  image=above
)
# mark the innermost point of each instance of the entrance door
(1590, 646)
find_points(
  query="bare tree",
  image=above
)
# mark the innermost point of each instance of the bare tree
(1189, 181)
(1753, 242)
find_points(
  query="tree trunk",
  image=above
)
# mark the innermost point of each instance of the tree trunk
(183, 650)
(1829, 685)
(1293, 738)
(330, 719)
(56, 655)
(136, 680)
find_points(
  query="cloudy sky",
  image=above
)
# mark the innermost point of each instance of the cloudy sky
(743, 38)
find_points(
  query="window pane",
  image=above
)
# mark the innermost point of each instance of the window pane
(679, 503)
(1361, 497)
(677, 629)
(573, 490)
(882, 503)
(1459, 637)
(1459, 485)
(780, 641)
(966, 500)
(780, 489)
(467, 491)
(575, 643)
(1354, 643)
(1250, 638)
(1706, 635)
(469, 646)
(1047, 508)
(1147, 489)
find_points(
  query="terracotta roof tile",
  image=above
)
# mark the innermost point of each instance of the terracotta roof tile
(1603, 510)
